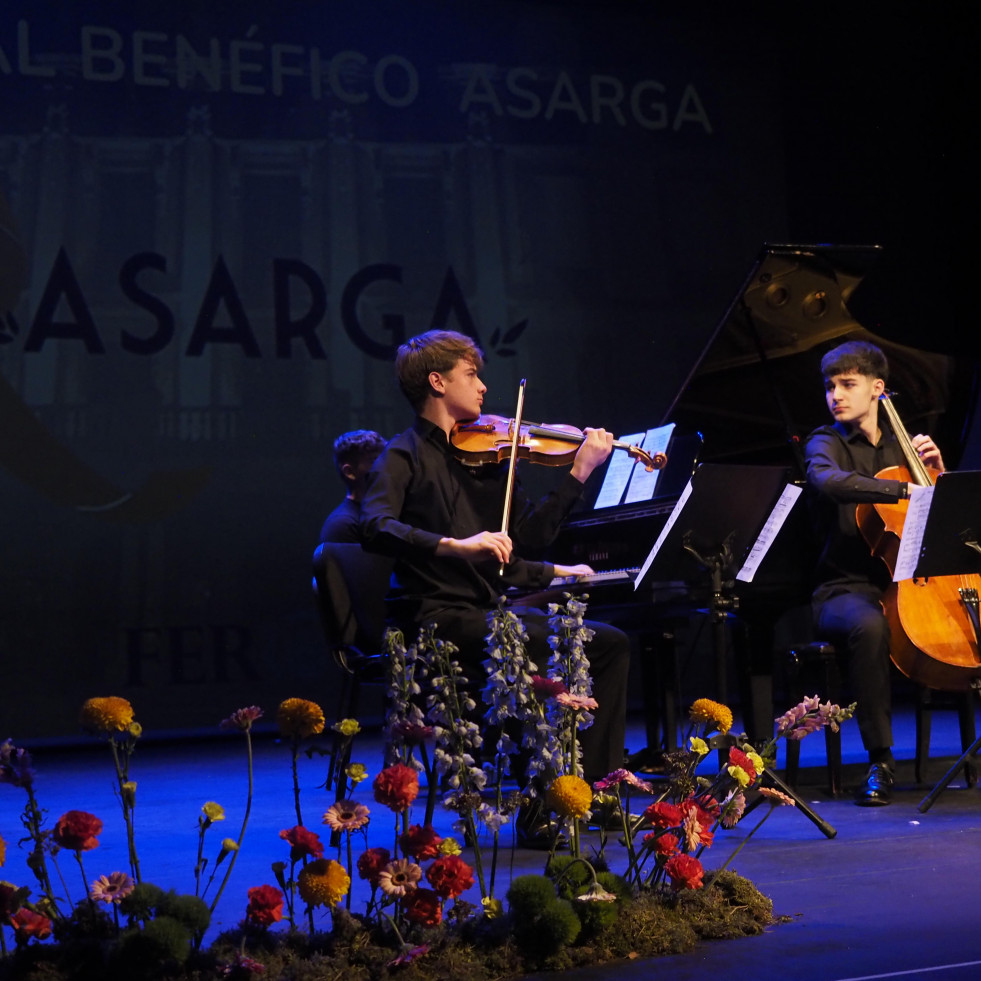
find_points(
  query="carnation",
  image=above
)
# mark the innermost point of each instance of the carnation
(397, 786)
(77, 830)
(685, 872)
(304, 843)
(371, 862)
(423, 906)
(450, 876)
(265, 905)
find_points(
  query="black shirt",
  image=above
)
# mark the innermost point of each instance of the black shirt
(418, 493)
(343, 524)
(840, 474)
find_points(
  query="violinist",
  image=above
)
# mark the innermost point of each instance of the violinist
(842, 460)
(439, 517)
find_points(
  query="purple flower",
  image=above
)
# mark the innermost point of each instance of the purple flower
(242, 718)
(15, 765)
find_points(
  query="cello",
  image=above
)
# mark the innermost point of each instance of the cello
(933, 639)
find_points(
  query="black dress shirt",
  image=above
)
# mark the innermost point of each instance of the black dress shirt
(419, 492)
(840, 474)
(343, 524)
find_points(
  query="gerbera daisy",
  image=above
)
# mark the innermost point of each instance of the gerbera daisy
(345, 815)
(399, 877)
(111, 888)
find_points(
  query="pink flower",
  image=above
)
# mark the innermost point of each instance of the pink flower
(15, 765)
(777, 796)
(579, 703)
(112, 888)
(399, 878)
(345, 815)
(411, 733)
(623, 776)
(242, 718)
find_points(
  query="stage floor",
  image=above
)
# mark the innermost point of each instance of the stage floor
(895, 893)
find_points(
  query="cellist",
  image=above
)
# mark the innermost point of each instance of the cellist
(842, 459)
(441, 519)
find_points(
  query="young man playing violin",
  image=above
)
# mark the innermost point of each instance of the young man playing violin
(842, 460)
(437, 515)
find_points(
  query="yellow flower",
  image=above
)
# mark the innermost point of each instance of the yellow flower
(357, 772)
(347, 727)
(570, 796)
(135, 730)
(299, 718)
(756, 760)
(714, 714)
(227, 845)
(213, 812)
(450, 846)
(739, 775)
(128, 790)
(698, 745)
(493, 908)
(323, 882)
(101, 716)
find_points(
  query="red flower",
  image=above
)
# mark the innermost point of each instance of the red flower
(304, 843)
(450, 876)
(397, 786)
(265, 905)
(666, 845)
(547, 687)
(77, 830)
(421, 842)
(371, 863)
(27, 924)
(423, 906)
(738, 758)
(685, 871)
(663, 815)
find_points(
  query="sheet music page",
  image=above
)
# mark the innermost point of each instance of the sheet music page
(774, 523)
(672, 518)
(920, 499)
(642, 483)
(617, 474)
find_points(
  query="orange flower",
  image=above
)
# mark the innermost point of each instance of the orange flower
(397, 786)
(101, 716)
(323, 883)
(299, 718)
(27, 924)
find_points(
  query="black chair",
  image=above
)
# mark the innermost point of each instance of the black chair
(813, 669)
(929, 701)
(349, 586)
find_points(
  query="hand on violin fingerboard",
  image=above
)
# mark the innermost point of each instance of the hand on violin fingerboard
(595, 449)
(928, 452)
(485, 545)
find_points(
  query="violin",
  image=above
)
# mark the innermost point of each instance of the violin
(490, 438)
(932, 636)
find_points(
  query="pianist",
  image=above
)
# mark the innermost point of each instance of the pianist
(435, 515)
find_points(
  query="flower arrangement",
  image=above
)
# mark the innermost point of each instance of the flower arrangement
(418, 915)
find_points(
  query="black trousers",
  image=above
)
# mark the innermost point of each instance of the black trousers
(854, 622)
(609, 665)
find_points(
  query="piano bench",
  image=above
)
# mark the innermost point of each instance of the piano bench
(813, 669)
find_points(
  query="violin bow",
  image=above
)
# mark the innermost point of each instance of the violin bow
(515, 439)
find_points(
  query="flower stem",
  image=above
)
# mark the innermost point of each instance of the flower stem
(245, 821)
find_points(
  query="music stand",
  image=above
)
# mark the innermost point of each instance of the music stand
(715, 524)
(949, 546)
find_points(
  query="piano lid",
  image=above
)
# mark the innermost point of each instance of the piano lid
(756, 391)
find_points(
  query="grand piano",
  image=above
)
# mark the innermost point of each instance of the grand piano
(751, 398)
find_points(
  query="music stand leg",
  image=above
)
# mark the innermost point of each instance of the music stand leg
(927, 801)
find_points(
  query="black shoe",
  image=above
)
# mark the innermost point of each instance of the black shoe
(535, 830)
(877, 789)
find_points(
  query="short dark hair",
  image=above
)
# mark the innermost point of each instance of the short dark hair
(436, 350)
(355, 446)
(860, 356)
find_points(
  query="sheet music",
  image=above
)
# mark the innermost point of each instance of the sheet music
(642, 483)
(617, 474)
(774, 523)
(920, 499)
(672, 518)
